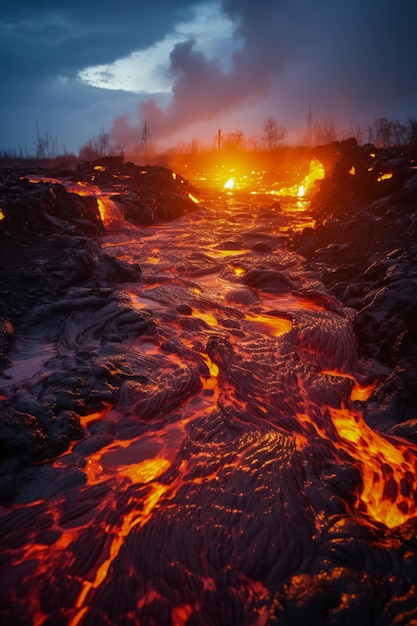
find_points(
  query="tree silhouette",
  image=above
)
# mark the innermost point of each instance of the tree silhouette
(274, 133)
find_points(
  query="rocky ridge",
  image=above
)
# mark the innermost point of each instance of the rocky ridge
(56, 281)
(364, 249)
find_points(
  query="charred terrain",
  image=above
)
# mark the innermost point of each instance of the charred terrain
(209, 398)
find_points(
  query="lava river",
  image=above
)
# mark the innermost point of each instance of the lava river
(235, 481)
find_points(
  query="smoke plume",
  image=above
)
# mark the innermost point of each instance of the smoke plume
(202, 87)
(333, 56)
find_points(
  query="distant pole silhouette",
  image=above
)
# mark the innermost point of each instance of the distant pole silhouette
(219, 140)
(309, 125)
(145, 148)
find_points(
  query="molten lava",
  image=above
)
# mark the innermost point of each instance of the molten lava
(232, 478)
(386, 176)
(316, 172)
(388, 469)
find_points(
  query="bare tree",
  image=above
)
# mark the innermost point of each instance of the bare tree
(97, 147)
(323, 131)
(103, 143)
(386, 133)
(274, 133)
(46, 146)
(400, 133)
(88, 151)
(370, 132)
(383, 132)
(412, 132)
(233, 141)
(357, 131)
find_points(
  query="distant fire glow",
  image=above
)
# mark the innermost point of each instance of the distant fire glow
(238, 177)
(316, 172)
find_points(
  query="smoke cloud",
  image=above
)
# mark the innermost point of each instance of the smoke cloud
(341, 58)
(202, 87)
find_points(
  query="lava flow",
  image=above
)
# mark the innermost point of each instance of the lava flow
(235, 480)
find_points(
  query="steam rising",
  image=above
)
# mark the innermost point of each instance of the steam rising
(203, 88)
(291, 52)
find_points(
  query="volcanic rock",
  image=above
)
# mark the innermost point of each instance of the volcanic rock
(7, 335)
(363, 249)
(57, 312)
(150, 194)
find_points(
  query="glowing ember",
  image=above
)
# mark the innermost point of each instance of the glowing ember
(193, 198)
(385, 176)
(229, 184)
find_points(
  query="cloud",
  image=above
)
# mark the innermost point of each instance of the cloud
(204, 86)
(44, 46)
(76, 67)
(148, 69)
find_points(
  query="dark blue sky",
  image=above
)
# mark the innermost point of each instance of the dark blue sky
(75, 68)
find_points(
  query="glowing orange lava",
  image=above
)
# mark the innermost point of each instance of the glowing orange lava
(316, 172)
(359, 392)
(277, 326)
(385, 176)
(193, 198)
(223, 425)
(208, 317)
(388, 472)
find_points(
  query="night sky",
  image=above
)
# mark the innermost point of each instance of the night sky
(75, 68)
